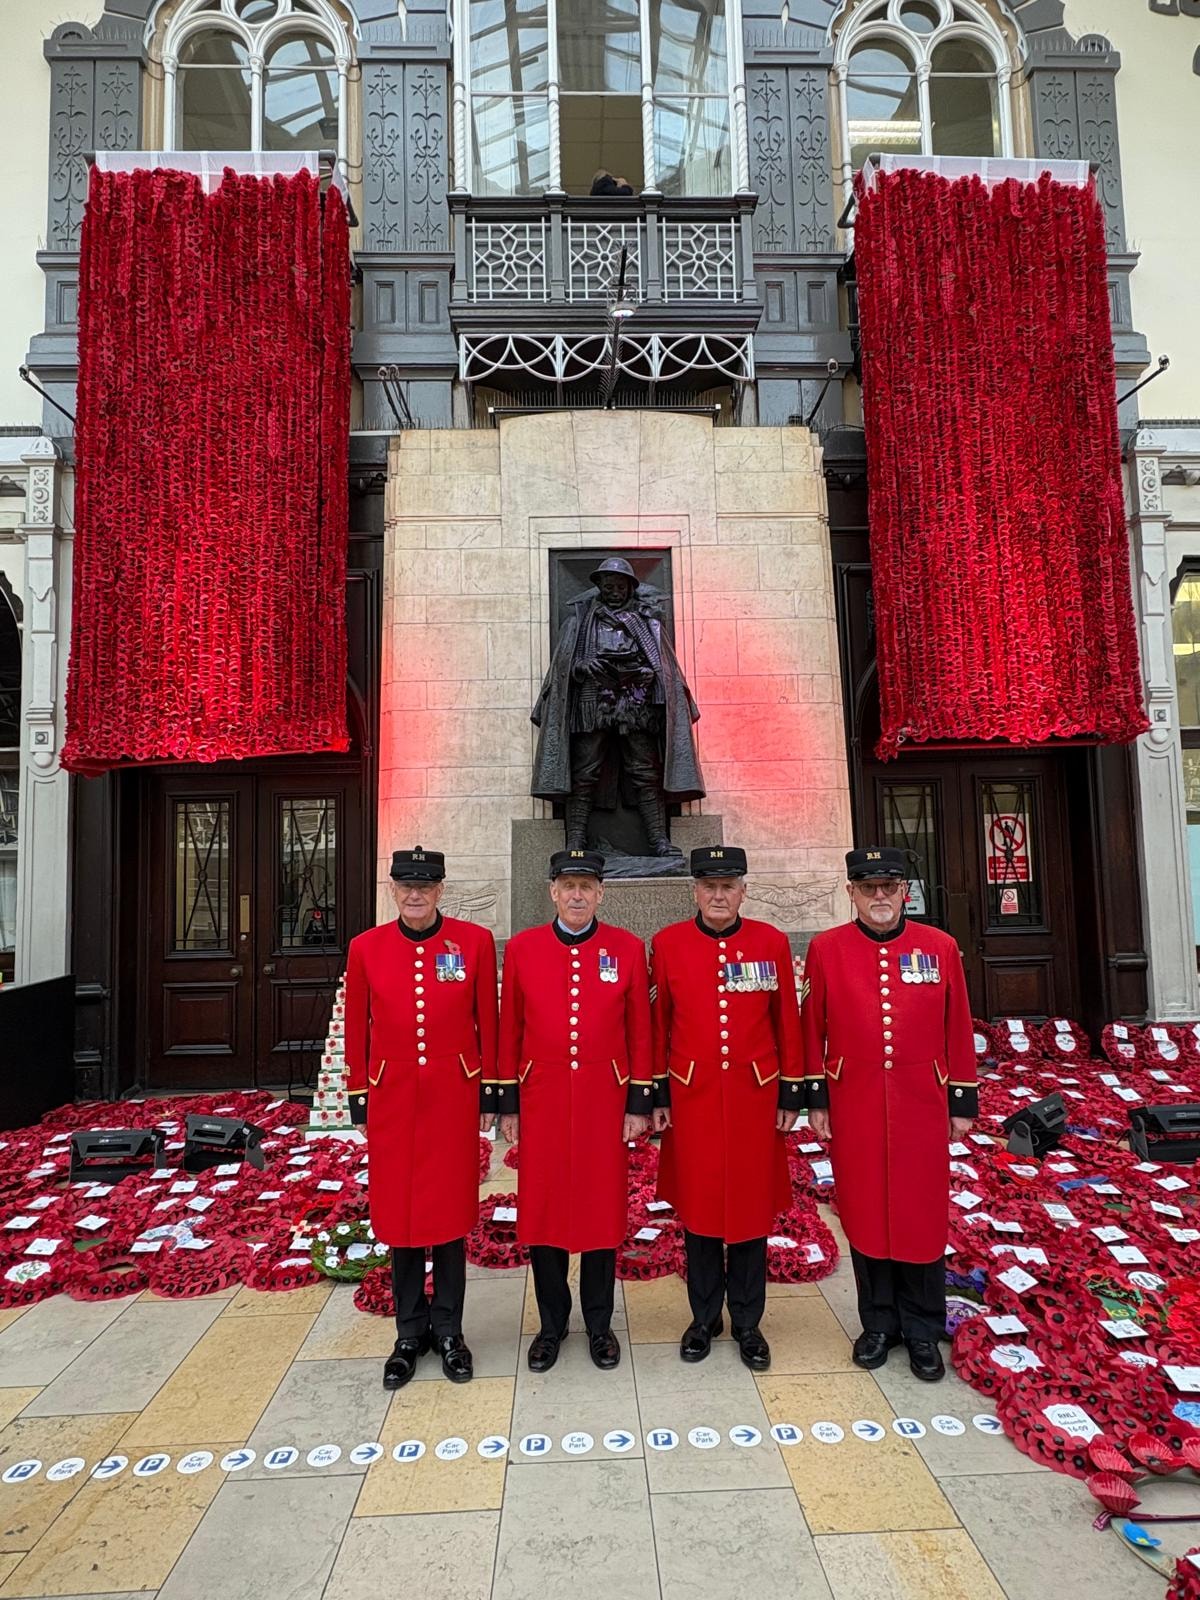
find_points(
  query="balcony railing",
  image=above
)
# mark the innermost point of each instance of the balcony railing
(564, 252)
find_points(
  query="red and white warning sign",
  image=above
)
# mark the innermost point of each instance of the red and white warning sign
(1007, 848)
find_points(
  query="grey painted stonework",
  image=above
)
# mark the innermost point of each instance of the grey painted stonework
(95, 104)
(406, 252)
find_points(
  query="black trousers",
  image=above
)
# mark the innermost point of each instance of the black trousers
(904, 1297)
(717, 1271)
(415, 1314)
(597, 1280)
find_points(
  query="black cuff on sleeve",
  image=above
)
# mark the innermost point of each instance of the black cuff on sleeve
(662, 1093)
(791, 1094)
(639, 1099)
(964, 1099)
(816, 1094)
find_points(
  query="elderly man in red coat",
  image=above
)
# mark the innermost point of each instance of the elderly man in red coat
(421, 1031)
(575, 1084)
(727, 1044)
(891, 1080)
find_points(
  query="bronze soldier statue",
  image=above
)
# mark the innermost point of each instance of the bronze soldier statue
(615, 705)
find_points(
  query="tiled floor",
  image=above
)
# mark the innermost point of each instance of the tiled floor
(932, 1518)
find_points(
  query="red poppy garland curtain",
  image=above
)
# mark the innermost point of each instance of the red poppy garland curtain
(208, 616)
(1001, 565)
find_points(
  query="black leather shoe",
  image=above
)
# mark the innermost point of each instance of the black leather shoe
(456, 1358)
(605, 1351)
(871, 1349)
(543, 1352)
(697, 1339)
(925, 1359)
(756, 1352)
(402, 1363)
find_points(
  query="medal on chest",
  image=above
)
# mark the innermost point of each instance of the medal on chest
(451, 967)
(750, 977)
(918, 967)
(609, 971)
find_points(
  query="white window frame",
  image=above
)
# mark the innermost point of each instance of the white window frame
(314, 17)
(861, 28)
(464, 153)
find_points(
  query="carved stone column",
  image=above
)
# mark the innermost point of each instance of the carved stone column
(1162, 834)
(43, 837)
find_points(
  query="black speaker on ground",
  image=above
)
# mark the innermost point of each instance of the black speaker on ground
(211, 1141)
(1037, 1127)
(108, 1155)
(1165, 1133)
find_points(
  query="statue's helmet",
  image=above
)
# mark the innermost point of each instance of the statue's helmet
(617, 565)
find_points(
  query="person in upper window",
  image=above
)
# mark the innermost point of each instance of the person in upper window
(604, 183)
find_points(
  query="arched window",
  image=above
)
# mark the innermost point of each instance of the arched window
(922, 77)
(255, 75)
(559, 94)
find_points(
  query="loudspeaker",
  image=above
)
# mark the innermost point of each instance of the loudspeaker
(1151, 1129)
(1037, 1127)
(107, 1155)
(209, 1141)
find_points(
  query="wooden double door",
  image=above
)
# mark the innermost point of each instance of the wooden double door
(253, 885)
(991, 846)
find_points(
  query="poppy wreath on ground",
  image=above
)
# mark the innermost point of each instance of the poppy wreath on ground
(1185, 1585)
(1016, 1038)
(1121, 1044)
(1188, 1034)
(639, 1260)
(1161, 1045)
(109, 1273)
(984, 1039)
(182, 1274)
(511, 1158)
(275, 1266)
(374, 1295)
(24, 1283)
(486, 1148)
(1060, 1039)
(330, 1251)
(493, 1242)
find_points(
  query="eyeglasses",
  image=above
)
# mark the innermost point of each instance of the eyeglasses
(871, 890)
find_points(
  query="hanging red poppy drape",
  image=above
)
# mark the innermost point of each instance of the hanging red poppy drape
(998, 547)
(208, 615)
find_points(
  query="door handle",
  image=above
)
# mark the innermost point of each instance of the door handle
(268, 967)
(235, 972)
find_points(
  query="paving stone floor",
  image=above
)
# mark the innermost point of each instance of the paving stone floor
(934, 1518)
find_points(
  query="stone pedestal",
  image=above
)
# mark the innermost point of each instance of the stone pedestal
(643, 905)
(473, 520)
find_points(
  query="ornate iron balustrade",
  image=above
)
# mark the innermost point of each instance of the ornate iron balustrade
(563, 252)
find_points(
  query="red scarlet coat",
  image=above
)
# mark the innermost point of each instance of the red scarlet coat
(419, 1045)
(897, 1060)
(730, 1057)
(574, 1054)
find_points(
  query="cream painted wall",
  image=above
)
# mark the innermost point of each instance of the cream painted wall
(1158, 120)
(24, 137)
